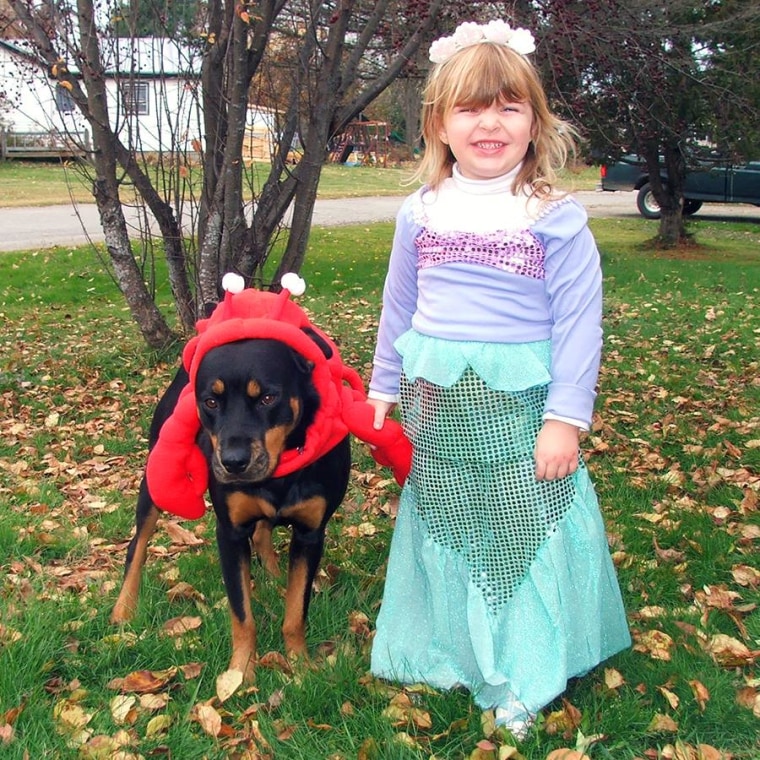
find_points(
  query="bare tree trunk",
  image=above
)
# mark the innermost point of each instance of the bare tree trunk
(149, 319)
(669, 194)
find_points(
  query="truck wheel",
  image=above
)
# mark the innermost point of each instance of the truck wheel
(691, 207)
(646, 203)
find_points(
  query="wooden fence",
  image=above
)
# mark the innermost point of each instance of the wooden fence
(26, 145)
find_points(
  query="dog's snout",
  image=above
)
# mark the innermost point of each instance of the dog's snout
(236, 459)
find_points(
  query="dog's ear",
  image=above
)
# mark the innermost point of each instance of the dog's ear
(324, 347)
(303, 365)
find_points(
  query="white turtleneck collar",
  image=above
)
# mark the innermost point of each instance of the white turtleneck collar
(491, 186)
(475, 205)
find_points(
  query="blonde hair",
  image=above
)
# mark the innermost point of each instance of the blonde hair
(478, 76)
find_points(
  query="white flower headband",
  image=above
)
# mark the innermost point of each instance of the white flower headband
(469, 33)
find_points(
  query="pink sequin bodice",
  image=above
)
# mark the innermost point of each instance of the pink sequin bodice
(518, 252)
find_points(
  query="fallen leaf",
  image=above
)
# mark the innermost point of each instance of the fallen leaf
(209, 719)
(657, 644)
(121, 705)
(157, 726)
(7, 733)
(275, 661)
(701, 695)
(670, 696)
(70, 716)
(730, 652)
(144, 681)
(613, 679)
(227, 684)
(180, 535)
(745, 575)
(179, 626)
(153, 702)
(662, 724)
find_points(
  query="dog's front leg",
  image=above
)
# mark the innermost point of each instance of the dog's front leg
(235, 558)
(146, 519)
(306, 549)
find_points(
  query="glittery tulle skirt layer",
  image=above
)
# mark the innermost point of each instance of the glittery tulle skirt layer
(496, 582)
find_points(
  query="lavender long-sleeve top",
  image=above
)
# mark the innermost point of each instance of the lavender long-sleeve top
(474, 262)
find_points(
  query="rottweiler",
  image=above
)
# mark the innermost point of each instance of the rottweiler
(255, 400)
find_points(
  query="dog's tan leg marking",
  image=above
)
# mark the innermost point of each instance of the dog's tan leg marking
(308, 513)
(262, 545)
(244, 632)
(243, 507)
(125, 606)
(294, 624)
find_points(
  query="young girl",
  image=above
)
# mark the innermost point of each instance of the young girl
(499, 577)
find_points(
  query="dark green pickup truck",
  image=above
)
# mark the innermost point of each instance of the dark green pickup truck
(713, 181)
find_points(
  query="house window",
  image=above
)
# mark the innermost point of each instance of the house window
(63, 100)
(136, 98)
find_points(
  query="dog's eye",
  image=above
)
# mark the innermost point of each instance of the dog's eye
(267, 399)
(211, 403)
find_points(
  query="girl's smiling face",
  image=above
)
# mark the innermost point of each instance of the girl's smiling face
(488, 141)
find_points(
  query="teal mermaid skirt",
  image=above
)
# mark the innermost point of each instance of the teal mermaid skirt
(496, 582)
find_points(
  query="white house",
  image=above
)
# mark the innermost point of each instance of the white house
(152, 87)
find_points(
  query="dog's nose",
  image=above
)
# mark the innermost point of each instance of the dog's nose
(236, 460)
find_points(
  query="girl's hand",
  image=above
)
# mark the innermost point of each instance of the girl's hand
(382, 410)
(556, 451)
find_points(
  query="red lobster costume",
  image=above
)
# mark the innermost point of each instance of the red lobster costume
(177, 471)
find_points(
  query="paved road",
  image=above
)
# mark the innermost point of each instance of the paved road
(43, 227)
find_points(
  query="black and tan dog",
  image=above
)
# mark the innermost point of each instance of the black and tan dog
(255, 399)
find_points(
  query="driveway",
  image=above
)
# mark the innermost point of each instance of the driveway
(42, 227)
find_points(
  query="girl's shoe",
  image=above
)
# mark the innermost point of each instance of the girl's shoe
(516, 719)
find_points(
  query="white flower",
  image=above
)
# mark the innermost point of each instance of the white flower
(498, 31)
(522, 42)
(469, 33)
(441, 50)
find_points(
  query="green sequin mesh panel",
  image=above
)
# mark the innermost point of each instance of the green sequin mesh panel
(473, 477)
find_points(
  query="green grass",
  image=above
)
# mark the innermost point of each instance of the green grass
(674, 453)
(26, 183)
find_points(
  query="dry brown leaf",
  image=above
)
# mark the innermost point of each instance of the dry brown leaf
(670, 696)
(730, 652)
(613, 679)
(191, 670)
(183, 590)
(275, 661)
(70, 716)
(179, 626)
(564, 721)
(180, 535)
(657, 644)
(209, 719)
(708, 752)
(662, 724)
(227, 684)
(153, 702)
(121, 706)
(358, 624)
(402, 711)
(158, 726)
(701, 695)
(566, 754)
(745, 575)
(144, 681)
(7, 733)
